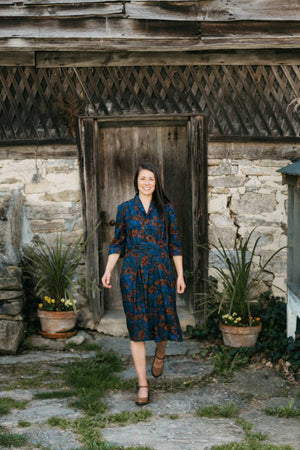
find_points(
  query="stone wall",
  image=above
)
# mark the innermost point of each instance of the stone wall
(244, 194)
(41, 197)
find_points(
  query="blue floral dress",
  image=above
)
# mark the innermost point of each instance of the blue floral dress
(147, 279)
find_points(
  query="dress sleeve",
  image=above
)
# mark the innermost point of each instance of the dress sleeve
(118, 244)
(174, 242)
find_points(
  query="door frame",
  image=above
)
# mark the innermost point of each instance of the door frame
(89, 162)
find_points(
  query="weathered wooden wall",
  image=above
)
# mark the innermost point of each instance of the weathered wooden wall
(148, 24)
(42, 105)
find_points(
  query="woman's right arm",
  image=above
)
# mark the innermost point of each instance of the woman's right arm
(111, 262)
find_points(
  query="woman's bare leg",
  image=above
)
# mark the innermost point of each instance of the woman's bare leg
(160, 352)
(138, 351)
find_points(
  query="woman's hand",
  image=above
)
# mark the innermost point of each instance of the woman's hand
(111, 262)
(180, 284)
(106, 279)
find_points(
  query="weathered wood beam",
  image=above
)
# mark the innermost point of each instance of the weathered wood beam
(250, 10)
(38, 151)
(161, 10)
(253, 150)
(248, 28)
(17, 58)
(62, 11)
(216, 150)
(214, 10)
(46, 3)
(98, 59)
(96, 28)
(141, 44)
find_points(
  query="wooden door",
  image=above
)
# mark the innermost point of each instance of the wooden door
(177, 146)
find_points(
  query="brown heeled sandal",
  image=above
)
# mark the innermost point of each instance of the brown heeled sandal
(157, 371)
(141, 401)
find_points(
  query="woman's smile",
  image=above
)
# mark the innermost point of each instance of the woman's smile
(146, 182)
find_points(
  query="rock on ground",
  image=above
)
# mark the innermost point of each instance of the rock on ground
(188, 433)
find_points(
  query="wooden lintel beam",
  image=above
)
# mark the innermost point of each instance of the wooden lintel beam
(126, 58)
(258, 150)
(17, 58)
(150, 44)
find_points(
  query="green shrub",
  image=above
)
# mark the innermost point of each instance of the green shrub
(273, 339)
(227, 359)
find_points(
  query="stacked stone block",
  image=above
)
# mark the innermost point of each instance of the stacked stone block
(11, 306)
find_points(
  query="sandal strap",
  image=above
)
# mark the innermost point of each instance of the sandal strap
(143, 387)
(158, 357)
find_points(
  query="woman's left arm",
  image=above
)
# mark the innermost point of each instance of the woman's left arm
(179, 269)
(175, 250)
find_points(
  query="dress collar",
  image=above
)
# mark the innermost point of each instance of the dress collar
(141, 206)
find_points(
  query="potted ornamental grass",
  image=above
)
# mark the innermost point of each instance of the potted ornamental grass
(54, 271)
(239, 276)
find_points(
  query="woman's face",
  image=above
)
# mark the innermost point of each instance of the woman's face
(146, 182)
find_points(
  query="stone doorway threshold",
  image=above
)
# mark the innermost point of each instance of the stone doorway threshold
(113, 322)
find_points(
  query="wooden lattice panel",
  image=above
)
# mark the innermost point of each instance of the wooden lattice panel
(257, 101)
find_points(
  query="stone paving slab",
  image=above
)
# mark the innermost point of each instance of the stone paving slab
(176, 368)
(256, 382)
(279, 431)
(50, 438)
(184, 402)
(45, 356)
(283, 402)
(188, 433)
(19, 394)
(39, 411)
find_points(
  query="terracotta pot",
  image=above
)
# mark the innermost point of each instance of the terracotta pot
(57, 321)
(240, 336)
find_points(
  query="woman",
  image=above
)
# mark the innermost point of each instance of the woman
(146, 234)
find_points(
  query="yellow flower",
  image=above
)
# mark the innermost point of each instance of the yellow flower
(52, 301)
(40, 305)
(62, 300)
(230, 318)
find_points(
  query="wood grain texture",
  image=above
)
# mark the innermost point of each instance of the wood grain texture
(144, 43)
(60, 11)
(96, 28)
(126, 58)
(42, 151)
(253, 150)
(198, 143)
(212, 10)
(161, 25)
(17, 58)
(90, 177)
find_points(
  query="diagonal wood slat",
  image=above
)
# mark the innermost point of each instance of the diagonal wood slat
(240, 101)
